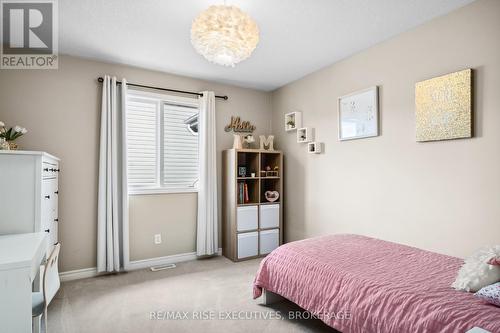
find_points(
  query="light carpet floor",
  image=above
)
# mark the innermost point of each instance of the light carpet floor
(217, 286)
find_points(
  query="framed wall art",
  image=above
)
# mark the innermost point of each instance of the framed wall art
(443, 107)
(358, 114)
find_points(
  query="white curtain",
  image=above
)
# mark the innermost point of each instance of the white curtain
(207, 228)
(112, 219)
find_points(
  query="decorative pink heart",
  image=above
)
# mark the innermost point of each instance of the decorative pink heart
(271, 196)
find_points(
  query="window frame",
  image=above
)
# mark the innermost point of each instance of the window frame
(161, 99)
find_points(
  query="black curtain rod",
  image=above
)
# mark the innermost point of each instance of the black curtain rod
(165, 89)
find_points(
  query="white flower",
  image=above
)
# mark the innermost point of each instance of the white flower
(2, 124)
(24, 130)
(18, 129)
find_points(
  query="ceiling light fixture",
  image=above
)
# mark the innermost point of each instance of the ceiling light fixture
(224, 35)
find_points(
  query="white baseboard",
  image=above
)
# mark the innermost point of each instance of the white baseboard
(78, 274)
(133, 265)
(146, 263)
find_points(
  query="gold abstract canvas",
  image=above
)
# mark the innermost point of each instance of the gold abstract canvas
(444, 107)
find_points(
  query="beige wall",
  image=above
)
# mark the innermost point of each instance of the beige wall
(61, 110)
(171, 215)
(442, 196)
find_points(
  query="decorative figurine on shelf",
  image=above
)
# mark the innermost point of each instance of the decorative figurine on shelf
(248, 140)
(267, 142)
(276, 171)
(264, 172)
(271, 196)
(272, 173)
(237, 142)
(9, 135)
(237, 125)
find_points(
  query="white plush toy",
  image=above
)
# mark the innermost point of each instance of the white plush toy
(476, 273)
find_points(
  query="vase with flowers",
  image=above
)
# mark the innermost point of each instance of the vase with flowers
(8, 136)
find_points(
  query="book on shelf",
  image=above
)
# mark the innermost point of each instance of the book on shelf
(243, 196)
(240, 193)
(247, 199)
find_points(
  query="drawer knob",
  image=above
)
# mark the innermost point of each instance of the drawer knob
(45, 169)
(56, 192)
(56, 220)
(47, 197)
(47, 230)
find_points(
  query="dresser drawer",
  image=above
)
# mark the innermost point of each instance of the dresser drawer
(50, 193)
(50, 169)
(49, 204)
(52, 238)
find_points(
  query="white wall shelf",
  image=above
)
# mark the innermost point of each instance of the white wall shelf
(293, 120)
(315, 147)
(305, 134)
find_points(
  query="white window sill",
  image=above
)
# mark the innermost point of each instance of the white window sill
(146, 191)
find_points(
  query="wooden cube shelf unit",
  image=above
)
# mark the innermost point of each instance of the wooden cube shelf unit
(252, 226)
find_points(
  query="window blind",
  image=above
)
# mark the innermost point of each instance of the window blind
(162, 150)
(142, 140)
(180, 147)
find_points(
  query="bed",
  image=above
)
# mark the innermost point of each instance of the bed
(360, 284)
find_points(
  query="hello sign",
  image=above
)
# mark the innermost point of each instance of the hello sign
(236, 125)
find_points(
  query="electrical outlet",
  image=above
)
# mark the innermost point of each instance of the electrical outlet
(158, 239)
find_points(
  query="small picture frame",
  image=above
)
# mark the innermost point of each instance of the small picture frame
(242, 171)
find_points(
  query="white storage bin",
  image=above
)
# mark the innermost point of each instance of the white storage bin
(269, 216)
(247, 218)
(269, 240)
(247, 245)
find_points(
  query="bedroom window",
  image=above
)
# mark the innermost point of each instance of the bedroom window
(162, 143)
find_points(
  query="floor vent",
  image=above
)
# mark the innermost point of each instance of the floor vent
(162, 267)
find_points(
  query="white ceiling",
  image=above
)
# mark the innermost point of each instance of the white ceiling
(297, 37)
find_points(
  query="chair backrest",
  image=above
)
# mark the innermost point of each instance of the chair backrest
(51, 281)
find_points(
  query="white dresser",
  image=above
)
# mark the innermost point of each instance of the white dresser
(29, 194)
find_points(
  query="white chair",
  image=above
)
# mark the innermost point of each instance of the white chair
(49, 273)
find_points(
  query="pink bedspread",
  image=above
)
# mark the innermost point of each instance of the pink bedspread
(360, 284)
